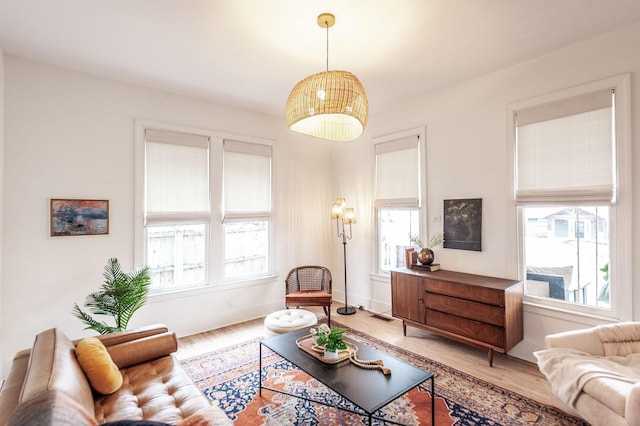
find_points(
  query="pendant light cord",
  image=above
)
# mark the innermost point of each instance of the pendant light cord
(327, 25)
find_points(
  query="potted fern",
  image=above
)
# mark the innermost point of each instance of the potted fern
(121, 295)
(330, 339)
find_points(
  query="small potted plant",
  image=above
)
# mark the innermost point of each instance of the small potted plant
(329, 339)
(426, 256)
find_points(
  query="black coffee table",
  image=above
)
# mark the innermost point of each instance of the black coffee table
(368, 389)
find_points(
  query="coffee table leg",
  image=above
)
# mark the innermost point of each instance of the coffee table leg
(433, 403)
(260, 371)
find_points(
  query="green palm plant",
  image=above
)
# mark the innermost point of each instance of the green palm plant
(121, 295)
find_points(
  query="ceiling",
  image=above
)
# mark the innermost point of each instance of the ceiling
(250, 53)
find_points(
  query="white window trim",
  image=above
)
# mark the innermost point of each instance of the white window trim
(216, 251)
(421, 133)
(621, 220)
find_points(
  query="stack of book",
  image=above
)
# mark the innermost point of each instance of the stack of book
(430, 268)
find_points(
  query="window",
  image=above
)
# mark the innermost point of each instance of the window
(247, 209)
(567, 179)
(398, 191)
(187, 177)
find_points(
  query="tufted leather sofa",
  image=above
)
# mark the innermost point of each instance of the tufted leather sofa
(47, 386)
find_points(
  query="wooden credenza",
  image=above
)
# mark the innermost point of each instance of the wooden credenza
(476, 309)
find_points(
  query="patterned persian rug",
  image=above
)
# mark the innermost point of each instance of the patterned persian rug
(230, 377)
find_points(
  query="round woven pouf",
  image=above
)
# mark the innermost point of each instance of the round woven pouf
(288, 320)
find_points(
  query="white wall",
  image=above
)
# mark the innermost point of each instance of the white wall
(468, 158)
(1, 165)
(71, 135)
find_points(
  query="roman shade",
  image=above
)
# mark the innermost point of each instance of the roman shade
(397, 173)
(565, 151)
(247, 179)
(177, 176)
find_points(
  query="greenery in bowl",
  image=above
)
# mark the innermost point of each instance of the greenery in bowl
(329, 338)
(435, 240)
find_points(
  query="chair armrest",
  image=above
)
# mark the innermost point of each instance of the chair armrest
(632, 406)
(583, 340)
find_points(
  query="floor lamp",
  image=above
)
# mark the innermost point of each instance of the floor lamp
(344, 216)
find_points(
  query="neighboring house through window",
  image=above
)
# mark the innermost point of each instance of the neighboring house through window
(204, 203)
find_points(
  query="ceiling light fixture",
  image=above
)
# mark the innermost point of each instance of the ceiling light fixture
(329, 105)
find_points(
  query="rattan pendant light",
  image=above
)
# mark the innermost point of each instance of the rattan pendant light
(329, 105)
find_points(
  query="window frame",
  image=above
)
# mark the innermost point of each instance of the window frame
(421, 207)
(620, 208)
(214, 261)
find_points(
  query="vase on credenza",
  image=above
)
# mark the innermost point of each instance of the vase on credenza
(426, 256)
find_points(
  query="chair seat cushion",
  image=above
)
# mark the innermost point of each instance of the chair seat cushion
(307, 297)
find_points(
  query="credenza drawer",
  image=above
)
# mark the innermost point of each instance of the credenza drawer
(463, 291)
(465, 308)
(479, 331)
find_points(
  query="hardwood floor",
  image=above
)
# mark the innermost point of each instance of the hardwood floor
(508, 372)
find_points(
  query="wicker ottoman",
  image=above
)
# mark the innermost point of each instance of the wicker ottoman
(288, 320)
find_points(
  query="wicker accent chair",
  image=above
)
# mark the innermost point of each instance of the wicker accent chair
(309, 286)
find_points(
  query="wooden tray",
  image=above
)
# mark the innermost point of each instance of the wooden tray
(308, 344)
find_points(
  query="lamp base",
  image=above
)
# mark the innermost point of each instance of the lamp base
(346, 310)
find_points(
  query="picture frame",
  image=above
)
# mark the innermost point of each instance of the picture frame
(71, 217)
(463, 224)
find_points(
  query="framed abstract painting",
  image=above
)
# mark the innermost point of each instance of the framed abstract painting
(463, 224)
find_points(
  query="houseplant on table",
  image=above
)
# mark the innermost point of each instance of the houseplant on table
(121, 295)
(426, 256)
(329, 339)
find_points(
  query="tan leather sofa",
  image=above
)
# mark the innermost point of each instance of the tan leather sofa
(47, 386)
(596, 372)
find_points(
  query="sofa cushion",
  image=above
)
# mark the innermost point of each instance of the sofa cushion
(158, 390)
(102, 372)
(609, 392)
(53, 366)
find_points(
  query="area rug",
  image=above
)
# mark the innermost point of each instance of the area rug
(229, 377)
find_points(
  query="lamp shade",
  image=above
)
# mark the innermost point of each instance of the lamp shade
(349, 215)
(329, 105)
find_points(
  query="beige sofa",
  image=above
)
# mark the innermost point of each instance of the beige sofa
(596, 372)
(46, 384)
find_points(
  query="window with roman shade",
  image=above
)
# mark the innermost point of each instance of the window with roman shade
(203, 207)
(177, 208)
(398, 194)
(571, 177)
(247, 209)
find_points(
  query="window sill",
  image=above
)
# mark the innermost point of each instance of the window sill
(593, 317)
(207, 289)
